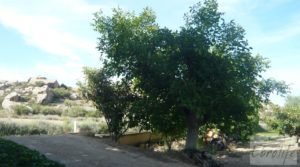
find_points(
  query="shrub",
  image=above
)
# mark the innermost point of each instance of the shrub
(51, 111)
(67, 125)
(90, 129)
(45, 110)
(22, 110)
(69, 103)
(61, 92)
(286, 119)
(39, 83)
(12, 154)
(7, 128)
(77, 111)
(93, 113)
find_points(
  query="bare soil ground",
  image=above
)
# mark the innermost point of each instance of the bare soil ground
(240, 156)
(81, 151)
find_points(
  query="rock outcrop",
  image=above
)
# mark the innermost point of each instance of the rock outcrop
(11, 100)
(43, 94)
(39, 90)
(4, 85)
(41, 81)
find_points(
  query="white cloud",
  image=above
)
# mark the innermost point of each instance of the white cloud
(58, 27)
(13, 74)
(67, 74)
(44, 32)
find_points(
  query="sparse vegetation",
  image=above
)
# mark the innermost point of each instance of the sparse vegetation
(36, 109)
(12, 128)
(61, 92)
(22, 110)
(39, 83)
(77, 111)
(46, 110)
(90, 129)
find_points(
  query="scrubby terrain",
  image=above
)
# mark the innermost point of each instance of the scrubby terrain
(43, 106)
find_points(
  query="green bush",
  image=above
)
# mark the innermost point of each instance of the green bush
(77, 111)
(45, 110)
(67, 125)
(61, 92)
(51, 111)
(22, 110)
(90, 129)
(39, 83)
(15, 155)
(69, 103)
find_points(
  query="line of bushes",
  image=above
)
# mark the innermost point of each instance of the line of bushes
(9, 128)
(86, 128)
(15, 155)
(74, 111)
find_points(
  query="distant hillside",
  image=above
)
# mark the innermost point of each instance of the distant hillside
(38, 91)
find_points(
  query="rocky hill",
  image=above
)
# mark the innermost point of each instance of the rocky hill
(38, 90)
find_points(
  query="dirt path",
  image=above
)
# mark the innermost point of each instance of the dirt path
(80, 151)
(240, 157)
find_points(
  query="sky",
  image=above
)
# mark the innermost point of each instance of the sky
(54, 38)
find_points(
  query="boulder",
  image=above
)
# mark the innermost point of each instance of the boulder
(11, 100)
(74, 96)
(41, 81)
(43, 94)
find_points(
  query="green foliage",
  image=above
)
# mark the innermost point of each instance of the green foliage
(69, 103)
(286, 119)
(112, 99)
(15, 155)
(77, 111)
(22, 110)
(7, 128)
(90, 129)
(39, 83)
(204, 73)
(67, 125)
(45, 110)
(61, 92)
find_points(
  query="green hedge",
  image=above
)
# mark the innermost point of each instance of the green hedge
(15, 155)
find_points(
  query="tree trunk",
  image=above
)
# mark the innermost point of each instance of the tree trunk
(193, 130)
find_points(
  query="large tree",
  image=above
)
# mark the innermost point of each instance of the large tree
(203, 73)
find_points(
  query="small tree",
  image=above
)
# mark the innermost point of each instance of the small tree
(111, 98)
(286, 119)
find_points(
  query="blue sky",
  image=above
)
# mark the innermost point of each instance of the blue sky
(54, 38)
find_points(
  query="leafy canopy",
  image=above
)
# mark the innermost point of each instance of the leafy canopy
(203, 73)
